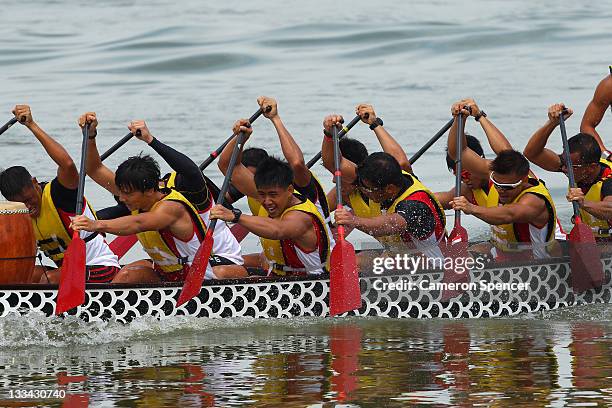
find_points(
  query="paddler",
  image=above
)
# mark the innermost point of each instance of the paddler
(407, 216)
(51, 207)
(518, 207)
(304, 182)
(593, 175)
(292, 231)
(353, 152)
(169, 222)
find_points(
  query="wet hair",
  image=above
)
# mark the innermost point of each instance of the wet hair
(14, 180)
(510, 162)
(353, 150)
(473, 144)
(138, 173)
(380, 169)
(273, 172)
(587, 146)
(252, 156)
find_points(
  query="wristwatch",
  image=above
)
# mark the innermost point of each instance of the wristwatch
(480, 114)
(377, 122)
(237, 213)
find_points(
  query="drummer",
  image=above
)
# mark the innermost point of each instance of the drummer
(51, 206)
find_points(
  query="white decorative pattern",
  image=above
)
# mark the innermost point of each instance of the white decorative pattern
(549, 289)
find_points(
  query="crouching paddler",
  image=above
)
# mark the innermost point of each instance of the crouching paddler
(410, 216)
(292, 231)
(51, 206)
(167, 224)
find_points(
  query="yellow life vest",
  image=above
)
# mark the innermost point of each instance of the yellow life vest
(254, 205)
(51, 234)
(505, 238)
(169, 182)
(273, 250)
(486, 200)
(154, 244)
(320, 194)
(372, 209)
(601, 228)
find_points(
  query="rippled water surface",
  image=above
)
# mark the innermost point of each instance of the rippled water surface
(190, 69)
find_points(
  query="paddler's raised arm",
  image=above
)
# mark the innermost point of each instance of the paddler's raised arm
(94, 167)
(242, 178)
(67, 173)
(536, 151)
(347, 167)
(387, 142)
(192, 179)
(497, 140)
(602, 100)
(292, 152)
(471, 161)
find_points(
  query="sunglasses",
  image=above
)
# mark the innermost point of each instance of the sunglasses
(505, 186)
(361, 186)
(574, 166)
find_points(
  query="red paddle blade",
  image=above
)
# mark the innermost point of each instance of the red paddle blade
(195, 275)
(456, 248)
(71, 291)
(344, 346)
(121, 245)
(344, 292)
(239, 232)
(585, 259)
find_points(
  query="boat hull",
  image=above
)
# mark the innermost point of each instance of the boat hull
(549, 287)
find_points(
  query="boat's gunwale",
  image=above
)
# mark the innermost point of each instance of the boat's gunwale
(270, 279)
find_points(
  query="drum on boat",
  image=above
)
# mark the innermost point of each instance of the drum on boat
(17, 243)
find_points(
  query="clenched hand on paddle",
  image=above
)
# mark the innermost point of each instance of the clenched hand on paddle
(71, 292)
(585, 256)
(344, 291)
(197, 270)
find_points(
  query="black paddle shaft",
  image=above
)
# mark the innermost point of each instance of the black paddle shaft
(116, 146)
(431, 141)
(568, 161)
(459, 148)
(211, 158)
(341, 134)
(7, 125)
(81, 189)
(228, 176)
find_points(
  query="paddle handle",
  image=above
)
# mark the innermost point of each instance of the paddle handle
(568, 164)
(81, 188)
(458, 164)
(211, 158)
(431, 141)
(341, 134)
(116, 146)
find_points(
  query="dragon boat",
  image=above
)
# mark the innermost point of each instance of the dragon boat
(501, 289)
